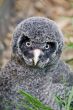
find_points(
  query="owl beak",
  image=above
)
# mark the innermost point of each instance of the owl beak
(36, 53)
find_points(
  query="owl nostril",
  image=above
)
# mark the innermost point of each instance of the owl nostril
(40, 56)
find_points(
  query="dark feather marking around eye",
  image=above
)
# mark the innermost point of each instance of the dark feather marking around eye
(24, 39)
(52, 45)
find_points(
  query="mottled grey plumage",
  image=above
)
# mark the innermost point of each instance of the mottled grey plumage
(48, 78)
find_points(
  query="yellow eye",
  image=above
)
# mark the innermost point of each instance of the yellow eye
(28, 44)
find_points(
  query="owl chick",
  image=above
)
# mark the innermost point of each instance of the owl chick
(35, 65)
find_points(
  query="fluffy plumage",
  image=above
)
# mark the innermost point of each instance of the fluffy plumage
(45, 79)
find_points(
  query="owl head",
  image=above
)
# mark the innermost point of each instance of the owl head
(38, 42)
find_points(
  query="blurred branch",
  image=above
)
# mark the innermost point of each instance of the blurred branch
(69, 60)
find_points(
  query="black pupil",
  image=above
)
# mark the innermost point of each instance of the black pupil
(28, 43)
(47, 45)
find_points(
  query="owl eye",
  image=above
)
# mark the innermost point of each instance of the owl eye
(47, 46)
(28, 44)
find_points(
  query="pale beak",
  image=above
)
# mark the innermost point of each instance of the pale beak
(36, 53)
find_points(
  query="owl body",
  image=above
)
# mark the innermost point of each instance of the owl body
(41, 83)
(35, 65)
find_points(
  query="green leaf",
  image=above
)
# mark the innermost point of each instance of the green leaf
(60, 101)
(36, 104)
(70, 45)
(70, 99)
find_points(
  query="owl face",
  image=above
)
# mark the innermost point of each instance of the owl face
(37, 54)
(38, 41)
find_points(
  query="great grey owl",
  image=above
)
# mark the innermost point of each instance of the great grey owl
(35, 64)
